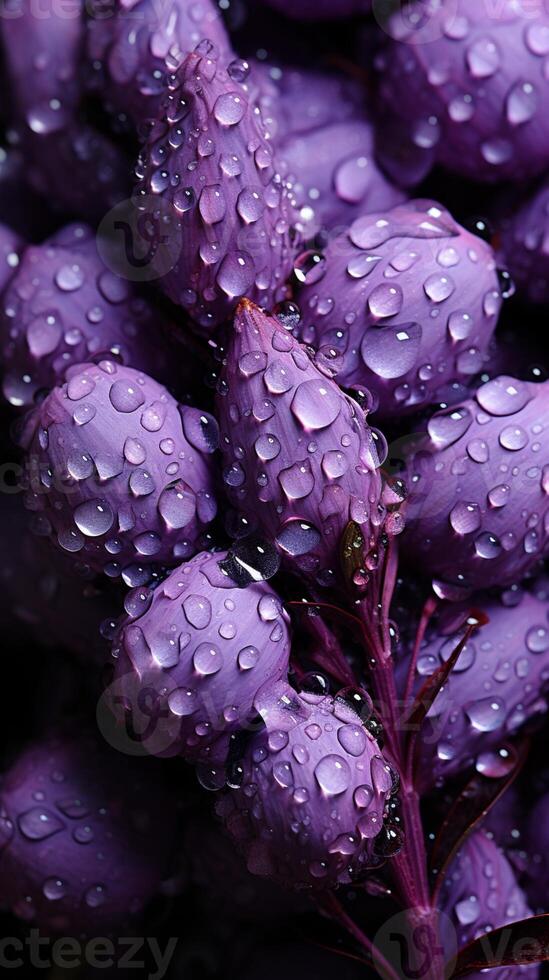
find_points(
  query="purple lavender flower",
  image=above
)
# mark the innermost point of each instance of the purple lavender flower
(469, 86)
(63, 307)
(309, 811)
(478, 511)
(10, 247)
(480, 894)
(80, 848)
(408, 298)
(525, 245)
(208, 648)
(300, 460)
(320, 9)
(61, 606)
(499, 683)
(131, 46)
(538, 851)
(118, 473)
(225, 211)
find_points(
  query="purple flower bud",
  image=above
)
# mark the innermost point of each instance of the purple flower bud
(296, 100)
(325, 142)
(207, 648)
(63, 307)
(499, 683)
(408, 298)
(478, 505)
(471, 86)
(333, 176)
(525, 246)
(131, 47)
(226, 213)
(538, 851)
(320, 9)
(309, 811)
(480, 894)
(10, 248)
(118, 473)
(62, 607)
(300, 460)
(80, 848)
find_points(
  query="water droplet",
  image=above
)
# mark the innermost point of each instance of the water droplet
(126, 396)
(513, 437)
(465, 517)
(316, 404)
(385, 300)
(198, 611)
(94, 517)
(503, 396)
(229, 108)
(333, 775)
(353, 739)
(486, 715)
(522, 103)
(537, 639)
(487, 545)
(38, 824)
(392, 351)
(207, 659)
(54, 889)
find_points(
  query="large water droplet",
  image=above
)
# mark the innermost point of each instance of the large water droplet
(486, 715)
(316, 404)
(38, 823)
(392, 351)
(333, 775)
(94, 517)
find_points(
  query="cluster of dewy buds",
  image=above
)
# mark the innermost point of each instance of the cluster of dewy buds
(480, 893)
(478, 488)
(300, 460)
(80, 844)
(468, 86)
(211, 183)
(499, 682)
(408, 298)
(310, 802)
(204, 650)
(524, 245)
(128, 42)
(46, 110)
(118, 473)
(62, 307)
